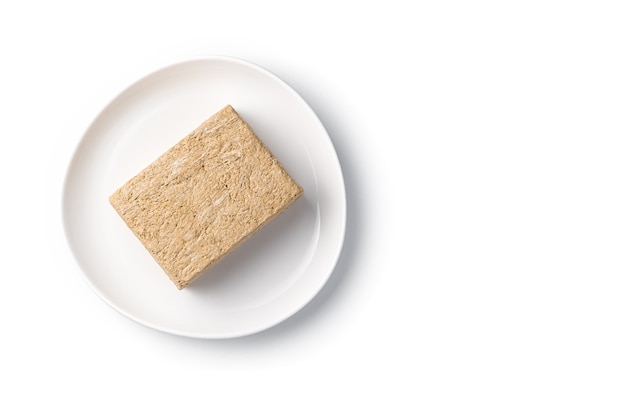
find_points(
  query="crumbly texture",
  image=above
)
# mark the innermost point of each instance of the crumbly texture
(205, 196)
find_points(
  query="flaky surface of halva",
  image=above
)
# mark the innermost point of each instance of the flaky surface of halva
(205, 196)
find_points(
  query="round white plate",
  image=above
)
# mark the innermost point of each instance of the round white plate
(264, 281)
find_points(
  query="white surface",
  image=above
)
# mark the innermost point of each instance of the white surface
(267, 279)
(482, 145)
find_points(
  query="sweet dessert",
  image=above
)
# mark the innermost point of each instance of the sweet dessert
(205, 196)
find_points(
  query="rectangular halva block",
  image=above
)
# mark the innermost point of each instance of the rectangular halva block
(205, 196)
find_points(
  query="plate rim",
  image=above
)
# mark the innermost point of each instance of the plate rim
(341, 201)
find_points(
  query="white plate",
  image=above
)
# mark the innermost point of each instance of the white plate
(263, 282)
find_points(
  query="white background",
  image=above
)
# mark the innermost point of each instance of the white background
(483, 146)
